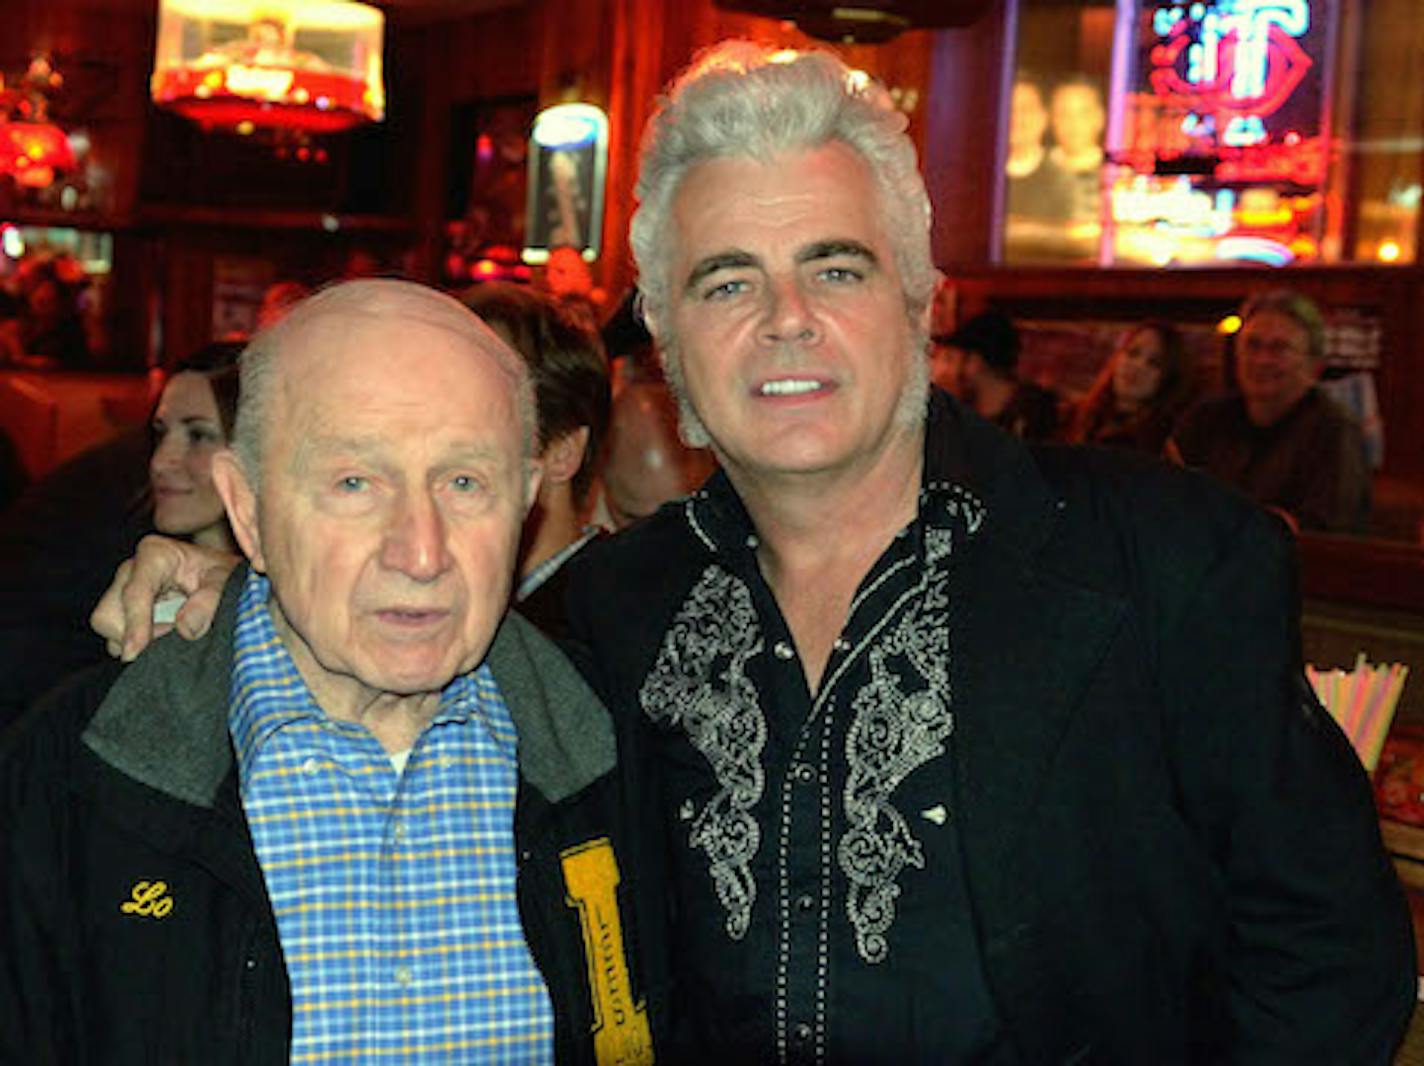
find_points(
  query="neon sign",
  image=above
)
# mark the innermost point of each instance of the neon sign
(1232, 65)
(1225, 138)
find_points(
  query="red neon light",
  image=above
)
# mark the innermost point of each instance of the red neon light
(1289, 65)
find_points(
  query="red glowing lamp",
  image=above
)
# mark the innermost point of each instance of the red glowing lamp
(31, 152)
(312, 66)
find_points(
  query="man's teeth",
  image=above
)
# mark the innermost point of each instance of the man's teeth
(789, 387)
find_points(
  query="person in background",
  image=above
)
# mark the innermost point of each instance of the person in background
(1278, 438)
(61, 541)
(947, 365)
(988, 378)
(279, 298)
(566, 361)
(645, 464)
(298, 838)
(192, 421)
(1038, 200)
(1077, 119)
(51, 327)
(1139, 394)
(11, 348)
(567, 278)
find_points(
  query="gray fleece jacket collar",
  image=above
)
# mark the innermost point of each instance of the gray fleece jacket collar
(164, 721)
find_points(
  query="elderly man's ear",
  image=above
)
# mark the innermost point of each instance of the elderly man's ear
(230, 479)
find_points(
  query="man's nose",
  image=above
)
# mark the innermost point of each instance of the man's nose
(790, 318)
(415, 539)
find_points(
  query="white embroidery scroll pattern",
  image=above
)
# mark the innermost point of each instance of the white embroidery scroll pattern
(699, 682)
(893, 733)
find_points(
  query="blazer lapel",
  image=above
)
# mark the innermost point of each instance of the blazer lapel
(1024, 641)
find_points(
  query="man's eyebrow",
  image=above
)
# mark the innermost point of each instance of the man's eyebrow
(835, 248)
(720, 261)
(313, 445)
(373, 448)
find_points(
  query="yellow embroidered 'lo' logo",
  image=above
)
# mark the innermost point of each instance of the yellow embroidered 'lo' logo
(620, 1026)
(150, 900)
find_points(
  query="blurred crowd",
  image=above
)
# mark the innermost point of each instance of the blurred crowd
(1269, 429)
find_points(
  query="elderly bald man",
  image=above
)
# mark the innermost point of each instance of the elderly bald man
(368, 815)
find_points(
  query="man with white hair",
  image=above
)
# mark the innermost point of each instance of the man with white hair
(955, 750)
(945, 748)
(370, 815)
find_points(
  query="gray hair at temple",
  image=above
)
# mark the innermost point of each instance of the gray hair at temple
(743, 100)
(1299, 308)
(373, 298)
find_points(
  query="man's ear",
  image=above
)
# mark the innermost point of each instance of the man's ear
(563, 456)
(240, 502)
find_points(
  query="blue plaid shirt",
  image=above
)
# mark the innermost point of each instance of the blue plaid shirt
(394, 893)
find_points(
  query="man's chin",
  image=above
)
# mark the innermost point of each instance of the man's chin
(410, 675)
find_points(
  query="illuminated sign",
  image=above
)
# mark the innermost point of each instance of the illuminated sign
(1237, 70)
(1224, 139)
(568, 157)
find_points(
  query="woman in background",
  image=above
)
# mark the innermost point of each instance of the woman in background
(1139, 394)
(193, 419)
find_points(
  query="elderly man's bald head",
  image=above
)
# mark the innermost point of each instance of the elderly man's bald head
(322, 325)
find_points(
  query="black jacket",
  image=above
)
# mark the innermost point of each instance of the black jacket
(1170, 850)
(134, 924)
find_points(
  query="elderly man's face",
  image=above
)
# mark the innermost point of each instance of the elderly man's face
(1274, 368)
(392, 493)
(791, 330)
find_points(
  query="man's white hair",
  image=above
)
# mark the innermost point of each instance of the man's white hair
(374, 298)
(739, 99)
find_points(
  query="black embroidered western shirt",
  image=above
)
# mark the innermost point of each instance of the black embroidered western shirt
(819, 910)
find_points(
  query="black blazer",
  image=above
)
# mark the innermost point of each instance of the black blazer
(1171, 850)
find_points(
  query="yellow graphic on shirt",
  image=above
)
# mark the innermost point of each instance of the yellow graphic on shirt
(620, 1026)
(150, 899)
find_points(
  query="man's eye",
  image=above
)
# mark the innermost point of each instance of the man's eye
(841, 274)
(353, 483)
(466, 483)
(725, 289)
